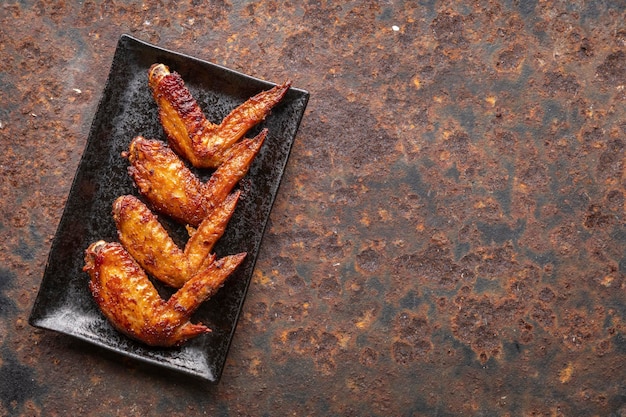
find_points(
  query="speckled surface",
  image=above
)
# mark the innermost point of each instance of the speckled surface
(449, 236)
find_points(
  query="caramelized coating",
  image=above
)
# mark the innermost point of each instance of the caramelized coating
(145, 239)
(172, 189)
(190, 134)
(130, 302)
(165, 181)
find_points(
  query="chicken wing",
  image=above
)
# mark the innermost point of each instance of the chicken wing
(130, 302)
(147, 241)
(172, 189)
(190, 134)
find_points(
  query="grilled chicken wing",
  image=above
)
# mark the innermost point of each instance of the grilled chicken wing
(128, 299)
(172, 189)
(190, 134)
(145, 239)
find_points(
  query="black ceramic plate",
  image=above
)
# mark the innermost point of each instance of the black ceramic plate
(127, 109)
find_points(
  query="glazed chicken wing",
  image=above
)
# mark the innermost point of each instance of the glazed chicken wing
(190, 134)
(172, 189)
(130, 302)
(147, 241)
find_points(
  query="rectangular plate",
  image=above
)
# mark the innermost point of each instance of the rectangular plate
(127, 109)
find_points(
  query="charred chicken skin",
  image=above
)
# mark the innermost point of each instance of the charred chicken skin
(190, 134)
(130, 302)
(147, 241)
(172, 189)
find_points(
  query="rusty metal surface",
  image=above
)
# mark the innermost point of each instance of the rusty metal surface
(449, 238)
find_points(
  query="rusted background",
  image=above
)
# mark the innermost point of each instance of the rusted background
(449, 238)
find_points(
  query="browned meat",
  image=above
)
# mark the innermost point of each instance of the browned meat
(130, 302)
(172, 189)
(145, 239)
(190, 134)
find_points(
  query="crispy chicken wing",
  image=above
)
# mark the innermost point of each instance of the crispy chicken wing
(128, 299)
(172, 189)
(190, 134)
(147, 241)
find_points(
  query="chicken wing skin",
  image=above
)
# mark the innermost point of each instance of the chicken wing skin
(190, 134)
(172, 189)
(165, 181)
(147, 241)
(130, 302)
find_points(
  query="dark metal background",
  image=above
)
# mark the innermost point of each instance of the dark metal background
(449, 237)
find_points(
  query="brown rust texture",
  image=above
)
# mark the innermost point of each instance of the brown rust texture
(449, 238)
